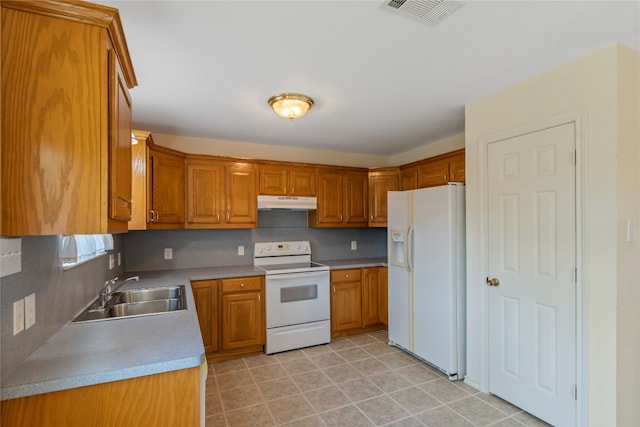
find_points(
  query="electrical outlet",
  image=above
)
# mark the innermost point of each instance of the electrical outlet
(18, 316)
(168, 253)
(240, 250)
(10, 255)
(112, 261)
(29, 311)
(354, 245)
(119, 259)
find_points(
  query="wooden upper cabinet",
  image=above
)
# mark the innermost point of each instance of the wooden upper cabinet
(241, 195)
(65, 149)
(409, 178)
(120, 197)
(457, 167)
(379, 184)
(342, 199)
(433, 173)
(330, 199)
(438, 170)
(287, 181)
(139, 179)
(356, 199)
(166, 194)
(205, 193)
(221, 194)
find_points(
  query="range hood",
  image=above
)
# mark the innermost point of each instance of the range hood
(291, 203)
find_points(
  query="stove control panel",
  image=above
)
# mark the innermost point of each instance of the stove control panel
(282, 248)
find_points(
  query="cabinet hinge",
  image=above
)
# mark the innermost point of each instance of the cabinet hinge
(575, 392)
(574, 157)
(575, 274)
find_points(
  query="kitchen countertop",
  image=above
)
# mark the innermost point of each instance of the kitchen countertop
(335, 264)
(82, 354)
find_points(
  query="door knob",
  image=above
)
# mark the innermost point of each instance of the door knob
(493, 281)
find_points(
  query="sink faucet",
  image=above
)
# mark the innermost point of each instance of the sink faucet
(109, 288)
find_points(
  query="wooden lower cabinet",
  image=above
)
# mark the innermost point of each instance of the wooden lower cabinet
(356, 301)
(383, 296)
(170, 399)
(231, 314)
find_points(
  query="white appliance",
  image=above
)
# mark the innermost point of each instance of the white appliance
(297, 296)
(291, 203)
(427, 296)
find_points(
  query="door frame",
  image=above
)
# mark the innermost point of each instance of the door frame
(577, 118)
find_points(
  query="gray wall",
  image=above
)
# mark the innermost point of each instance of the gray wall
(60, 295)
(144, 250)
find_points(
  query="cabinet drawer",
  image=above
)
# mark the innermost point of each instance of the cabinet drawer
(241, 284)
(345, 275)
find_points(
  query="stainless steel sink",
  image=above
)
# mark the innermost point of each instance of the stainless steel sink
(137, 302)
(148, 294)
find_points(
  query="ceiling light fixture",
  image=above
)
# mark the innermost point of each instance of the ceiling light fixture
(290, 105)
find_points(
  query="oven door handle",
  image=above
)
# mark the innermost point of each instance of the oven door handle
(287, 276)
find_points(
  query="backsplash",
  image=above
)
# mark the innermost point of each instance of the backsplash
(144, 250)
(60, 295)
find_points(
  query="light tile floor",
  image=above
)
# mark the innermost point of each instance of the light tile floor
(351, 382)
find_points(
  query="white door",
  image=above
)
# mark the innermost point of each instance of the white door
(532, 247)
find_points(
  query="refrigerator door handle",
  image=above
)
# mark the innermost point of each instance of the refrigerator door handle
(409, 249)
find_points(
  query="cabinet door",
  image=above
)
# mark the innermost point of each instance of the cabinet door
(384, 296)
(167, 194)
(330, 198)
(205, 294)
(379, 184)
(242, 198)
(302, 182)
(139, 181)
(409, 179)
(434, 173)
(355, 203)
(242, 320)
(346, 304)
(120, 206)
(370, 297)
(273, 181)
(457, 168)
(205, 195)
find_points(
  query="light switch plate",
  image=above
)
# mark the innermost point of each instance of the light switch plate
(354, 245)
(240, 250)
(29, 311)
(168, 253)
(18, 316)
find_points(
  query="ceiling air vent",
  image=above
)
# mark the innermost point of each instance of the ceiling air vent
(431, 12)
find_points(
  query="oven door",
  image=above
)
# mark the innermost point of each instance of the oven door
(294, 298)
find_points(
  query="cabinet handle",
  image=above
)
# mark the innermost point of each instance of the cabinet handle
(445, 176)
(259, 300)
(157, 216)
(228, 215)
(284, 189)
(218, 217)
(334, 289)
(371, 217)
(154, 216)
(340, 217)
(346, 275)
(242, 285)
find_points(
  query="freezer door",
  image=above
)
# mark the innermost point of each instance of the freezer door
(399, 279)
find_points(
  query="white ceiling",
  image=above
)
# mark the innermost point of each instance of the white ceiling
(382, 83)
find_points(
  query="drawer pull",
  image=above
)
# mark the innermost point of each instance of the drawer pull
(242, 285)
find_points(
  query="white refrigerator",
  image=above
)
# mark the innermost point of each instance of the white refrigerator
(427, 280)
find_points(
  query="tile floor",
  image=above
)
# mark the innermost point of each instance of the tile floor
(355, 381)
